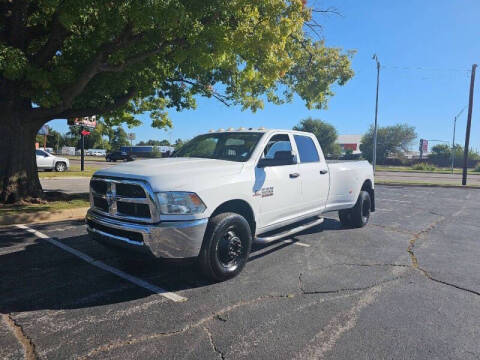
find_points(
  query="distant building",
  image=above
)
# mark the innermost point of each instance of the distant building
(350, 142)
(68, 150)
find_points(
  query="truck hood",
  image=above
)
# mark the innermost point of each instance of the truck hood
(179, 174)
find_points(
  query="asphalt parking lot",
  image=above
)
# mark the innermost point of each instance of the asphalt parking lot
(406, 286)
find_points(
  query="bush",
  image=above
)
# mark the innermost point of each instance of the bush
(424, 167)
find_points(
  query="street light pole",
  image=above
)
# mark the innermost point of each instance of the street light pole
(453, 141)
(375, 57)
(469, 125)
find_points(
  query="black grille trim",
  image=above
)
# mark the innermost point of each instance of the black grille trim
(130, 191)
(131, 235)
(100, 203)
(133, 209)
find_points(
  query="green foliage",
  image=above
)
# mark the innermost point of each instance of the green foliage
(119, 139)
(179, 143)
(154, 143)
(424, 167)
(325, 133)
(477, 168)
(109, 58)
(156, 153)
(442, 154)
(391, 140)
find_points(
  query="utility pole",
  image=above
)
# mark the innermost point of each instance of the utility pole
(469, 125)
(453, 141)
(375, 57)
(82, 150)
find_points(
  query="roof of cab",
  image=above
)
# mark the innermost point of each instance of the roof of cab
(260, 129)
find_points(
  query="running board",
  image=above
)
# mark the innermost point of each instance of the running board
(268, 239)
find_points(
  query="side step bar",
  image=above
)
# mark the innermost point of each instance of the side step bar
(268, 239)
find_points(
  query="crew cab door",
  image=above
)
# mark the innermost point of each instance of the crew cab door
(277, 187)
(313, 170)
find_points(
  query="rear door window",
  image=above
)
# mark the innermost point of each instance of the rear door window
(306, 148)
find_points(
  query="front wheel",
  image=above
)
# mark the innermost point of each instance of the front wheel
(60, 166)
(226, 246)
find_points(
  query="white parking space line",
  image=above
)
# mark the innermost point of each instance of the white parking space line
(133, 279)
(289, 241)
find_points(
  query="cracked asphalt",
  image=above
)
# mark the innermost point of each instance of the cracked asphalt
(406, 286)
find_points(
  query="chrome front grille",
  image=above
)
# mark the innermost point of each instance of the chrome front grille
(123, 199)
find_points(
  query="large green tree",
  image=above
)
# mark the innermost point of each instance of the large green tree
(116, 59)
(325, 133)
(391, 140)
(150, 142)
(441, 155)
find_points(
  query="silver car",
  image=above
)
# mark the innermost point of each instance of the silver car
(50, 162)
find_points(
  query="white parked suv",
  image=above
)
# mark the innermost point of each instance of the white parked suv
(47, 161)
(223, 190)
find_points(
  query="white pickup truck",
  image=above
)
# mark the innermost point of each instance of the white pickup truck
(223, 190)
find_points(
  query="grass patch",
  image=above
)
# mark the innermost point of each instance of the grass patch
(54, 202)
(87, 158)
(74, 170)
(424, 167)
(437, 170)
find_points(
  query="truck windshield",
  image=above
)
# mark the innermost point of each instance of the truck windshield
(232, 146)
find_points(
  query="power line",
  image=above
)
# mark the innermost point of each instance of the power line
(423, 68)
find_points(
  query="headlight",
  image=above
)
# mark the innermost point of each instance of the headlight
(173, 202)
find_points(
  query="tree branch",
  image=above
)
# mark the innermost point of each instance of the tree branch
(131, 60)
(39, 114)
(220, 97)
(58, 34)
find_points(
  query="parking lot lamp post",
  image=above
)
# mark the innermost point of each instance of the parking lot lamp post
(375, 57)
(453, 141)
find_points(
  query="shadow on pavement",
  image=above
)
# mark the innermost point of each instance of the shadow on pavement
(42, 276)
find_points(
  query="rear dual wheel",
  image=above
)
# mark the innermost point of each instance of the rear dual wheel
(359, 215)
(226, 246)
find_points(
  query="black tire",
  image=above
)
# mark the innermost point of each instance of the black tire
(226, 246)
(60, 166)
(345, 217)
(360, 213)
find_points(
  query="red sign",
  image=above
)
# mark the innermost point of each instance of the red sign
(85, 132)
(425, 146)
(87, 121)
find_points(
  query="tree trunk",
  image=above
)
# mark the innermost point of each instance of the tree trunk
(18, 166)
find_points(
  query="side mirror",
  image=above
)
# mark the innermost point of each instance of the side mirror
(281, 158)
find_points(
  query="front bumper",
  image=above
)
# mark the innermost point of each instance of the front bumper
(172, 239)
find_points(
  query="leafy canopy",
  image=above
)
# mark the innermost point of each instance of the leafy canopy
(326, 135)
(391, 140)
(121, 58)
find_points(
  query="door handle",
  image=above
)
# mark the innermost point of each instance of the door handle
(323, 172)
(294, 175)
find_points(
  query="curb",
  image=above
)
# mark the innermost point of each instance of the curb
(44, 216)
(399, 183)
(64, 178)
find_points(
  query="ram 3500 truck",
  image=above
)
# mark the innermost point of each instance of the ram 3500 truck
(223, 190)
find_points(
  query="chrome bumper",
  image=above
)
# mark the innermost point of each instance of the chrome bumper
(173, 239)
